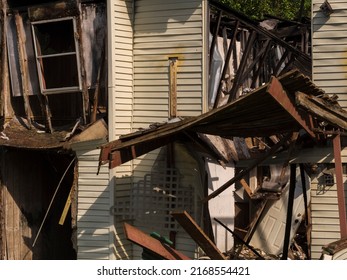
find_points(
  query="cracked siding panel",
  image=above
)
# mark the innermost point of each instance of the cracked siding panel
(329, 41)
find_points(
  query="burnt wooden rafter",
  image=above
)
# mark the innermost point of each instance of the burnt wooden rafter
(238, 78)
(226, 64)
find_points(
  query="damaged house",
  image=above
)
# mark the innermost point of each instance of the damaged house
(165, 129)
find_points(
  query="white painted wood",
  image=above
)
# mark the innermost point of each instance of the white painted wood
(222, 206)
(329, 48)
(269, 234)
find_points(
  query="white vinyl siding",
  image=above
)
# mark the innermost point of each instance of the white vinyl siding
(93, 203)
(165, 29)
(329, 50)
(120, 105)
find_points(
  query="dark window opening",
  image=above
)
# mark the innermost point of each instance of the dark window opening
(57, 56)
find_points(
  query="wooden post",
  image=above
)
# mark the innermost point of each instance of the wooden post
(289, 211)
(5, 103)
(173, 87)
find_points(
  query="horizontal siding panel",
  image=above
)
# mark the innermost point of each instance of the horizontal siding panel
(96, 219)
(169, 51)
(330, 42)
(325, 221)
(326, 228)
(329, 62)
(165, 63)
(331, 27)
(91, 256)
(154, 57)
(327, 49)
(329, 235)
(174, 35)
(153, 27)
(152, 107)
(171, 9)
(92, 200)
(164, 21)
(153, 100)
(94, 237)
(95, 194)
(92, 207)
(329, 35)
(330, 55)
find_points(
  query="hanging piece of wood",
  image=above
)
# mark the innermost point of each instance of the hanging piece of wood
(197, 234)
(23, 65)
(151, 244)
(66, 207)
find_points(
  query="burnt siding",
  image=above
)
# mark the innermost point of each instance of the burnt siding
(329, 52)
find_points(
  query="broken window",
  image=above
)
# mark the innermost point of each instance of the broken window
(57, 57)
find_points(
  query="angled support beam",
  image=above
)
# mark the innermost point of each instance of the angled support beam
(195, 232)
(239, 74)
(151, 244)
(226, 64)
(215, 35)
(276, 90)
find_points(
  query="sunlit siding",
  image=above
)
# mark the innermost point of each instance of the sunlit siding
(120, 105)
(329, 49)
(93, 203)
(165, 29)
(324, 209)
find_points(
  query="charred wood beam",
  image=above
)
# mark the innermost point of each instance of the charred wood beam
(244, 172)
(267, 47)
(276, 90)
(260, 57)
(215, 35)
(289, 211)
(280, 62)
(255, 26)
(340, 186)
(322, 109)
(226, 64)
(239, 74)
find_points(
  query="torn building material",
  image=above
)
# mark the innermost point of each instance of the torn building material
(192, 228)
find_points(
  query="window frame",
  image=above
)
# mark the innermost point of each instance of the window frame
(38, 57)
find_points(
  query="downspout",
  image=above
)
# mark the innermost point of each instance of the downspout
(110, 113)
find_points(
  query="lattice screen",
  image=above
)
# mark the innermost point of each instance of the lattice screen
(153, 198)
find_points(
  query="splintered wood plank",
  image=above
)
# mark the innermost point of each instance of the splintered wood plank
(197, 234)
(155, 246)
